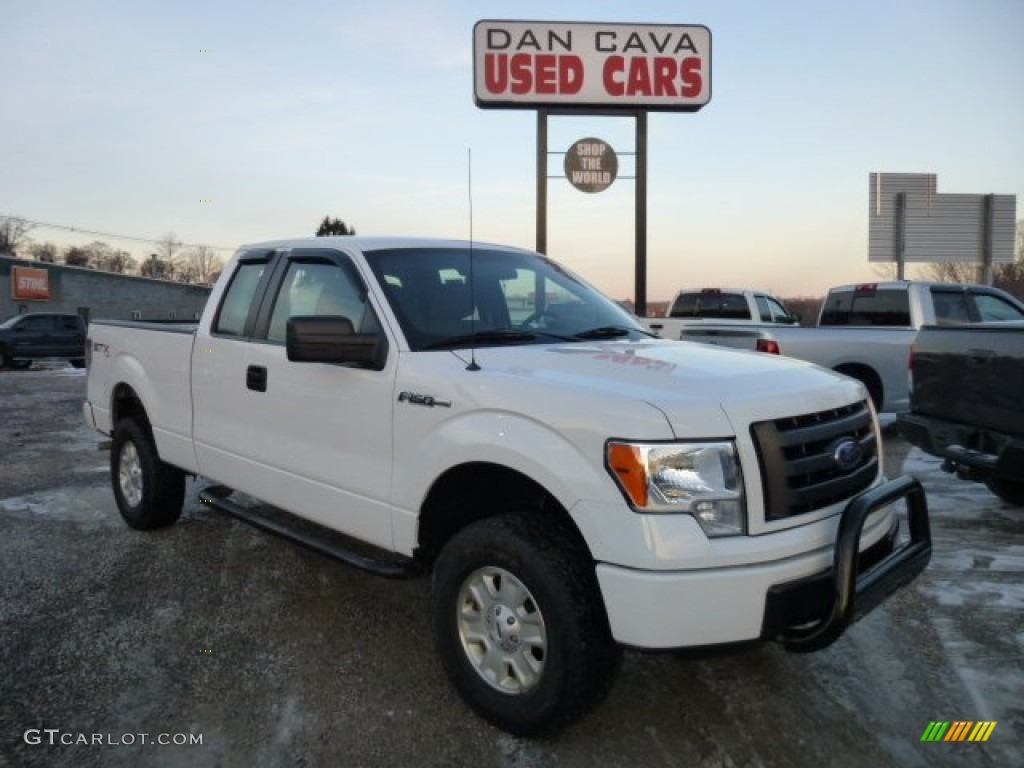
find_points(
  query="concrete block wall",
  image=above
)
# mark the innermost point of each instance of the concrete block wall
(97, 294)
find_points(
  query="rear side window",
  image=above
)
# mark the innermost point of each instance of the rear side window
(69, 322)
(771, 310)
(995, 308)
(38, 324)
(721, 306)
(883, 307)
(950, 307)
(234, 309)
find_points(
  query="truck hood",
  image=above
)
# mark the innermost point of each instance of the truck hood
(701, 390)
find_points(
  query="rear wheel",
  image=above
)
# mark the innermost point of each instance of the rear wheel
(1010, 491)
(149, 492)
(519, 624)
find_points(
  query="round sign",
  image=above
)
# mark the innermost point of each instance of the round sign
(591, 165)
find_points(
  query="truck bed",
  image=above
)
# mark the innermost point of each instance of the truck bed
(154, 359)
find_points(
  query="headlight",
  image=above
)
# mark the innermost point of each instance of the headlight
(699, 479)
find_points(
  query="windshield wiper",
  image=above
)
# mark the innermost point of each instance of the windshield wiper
(604, 332)
(482, 337)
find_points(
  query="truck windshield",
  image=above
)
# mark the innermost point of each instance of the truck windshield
(515, 297)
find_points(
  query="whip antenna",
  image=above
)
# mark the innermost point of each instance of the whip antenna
(472, 283)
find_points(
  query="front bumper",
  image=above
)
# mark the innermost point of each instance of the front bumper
(805, 602)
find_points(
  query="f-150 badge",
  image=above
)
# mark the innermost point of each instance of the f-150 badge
(418, 399)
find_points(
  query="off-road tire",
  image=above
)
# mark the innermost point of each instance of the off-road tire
(1010, 491)
(579, 657)
(149, 493)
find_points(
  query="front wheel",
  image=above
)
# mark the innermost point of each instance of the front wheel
(1010, 491)
(519, 624)
(149, 492)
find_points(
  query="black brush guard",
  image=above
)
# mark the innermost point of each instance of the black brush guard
(812, 613)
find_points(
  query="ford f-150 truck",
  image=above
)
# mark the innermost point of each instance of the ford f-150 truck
(865, 331)
(726, 306)
(966, 397)
(480, 413)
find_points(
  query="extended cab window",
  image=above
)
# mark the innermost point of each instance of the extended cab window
(950, 307)
(234, 309)
(995, 308)
(320, 288)
(771, 310)
(871, 307)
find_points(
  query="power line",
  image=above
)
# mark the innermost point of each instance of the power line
(95, 233)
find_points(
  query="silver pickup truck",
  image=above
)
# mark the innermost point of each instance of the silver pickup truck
(866, 331)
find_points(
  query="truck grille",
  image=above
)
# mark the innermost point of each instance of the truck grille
(812, 461)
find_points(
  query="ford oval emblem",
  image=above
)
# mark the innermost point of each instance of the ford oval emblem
(847, 454)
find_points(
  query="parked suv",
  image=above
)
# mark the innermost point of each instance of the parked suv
(35, 335)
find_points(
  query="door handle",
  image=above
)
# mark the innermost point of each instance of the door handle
(256, 378)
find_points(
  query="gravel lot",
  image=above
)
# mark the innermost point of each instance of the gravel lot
(276, 656)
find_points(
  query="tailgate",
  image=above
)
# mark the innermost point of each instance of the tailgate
(737, 338)
(972, 375)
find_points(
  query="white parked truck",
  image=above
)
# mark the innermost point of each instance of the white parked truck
(866, 331)
(480, 413)
(725, 306)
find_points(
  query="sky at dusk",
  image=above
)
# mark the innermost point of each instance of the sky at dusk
(231, 122)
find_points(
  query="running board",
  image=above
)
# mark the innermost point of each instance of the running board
(312, 536)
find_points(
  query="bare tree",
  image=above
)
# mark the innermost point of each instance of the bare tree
(99, 253)
(167, 250)
(885, 270)
(75, 256)
(12, 233)
(952, 271)
(201, 265)
(43, 252)
(121, 262)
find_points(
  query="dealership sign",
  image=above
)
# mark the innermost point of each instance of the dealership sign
(529, 64)
(30, 284)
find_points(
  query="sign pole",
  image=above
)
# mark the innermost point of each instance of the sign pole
(987, 236)
(542, 181)
(640, 223)
(901, 232)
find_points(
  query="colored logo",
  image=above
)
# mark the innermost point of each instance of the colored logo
(847, 454)
(958, 730)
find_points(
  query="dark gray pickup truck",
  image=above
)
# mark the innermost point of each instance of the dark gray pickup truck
(38, 335)
(967, 403)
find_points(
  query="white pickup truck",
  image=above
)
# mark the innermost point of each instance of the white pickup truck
(726, 306)
(866, 331)
(480, 413)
